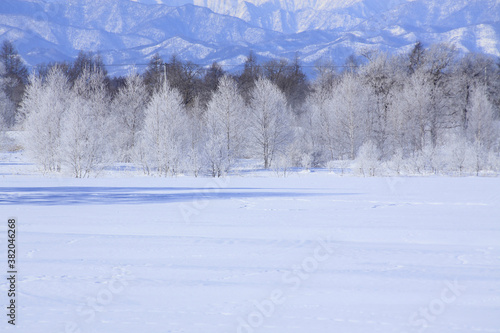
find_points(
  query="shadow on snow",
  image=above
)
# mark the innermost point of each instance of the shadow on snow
(47, 196)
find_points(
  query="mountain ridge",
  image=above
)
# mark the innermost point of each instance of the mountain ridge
(129, 32)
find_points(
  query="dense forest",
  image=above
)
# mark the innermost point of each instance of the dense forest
(430, 111)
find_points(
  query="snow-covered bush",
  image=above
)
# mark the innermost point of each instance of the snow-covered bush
(396, 163)
(306, 161)
(281, 165)
(330, 165)
(457, 156)
(368, 160)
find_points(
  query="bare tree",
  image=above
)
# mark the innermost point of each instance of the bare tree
(86, 61)
(155, 74)
(15, 72)
(210, 82)
(250, 74)
(7, 107)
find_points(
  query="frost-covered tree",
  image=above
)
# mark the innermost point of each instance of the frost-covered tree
(44, 107)
(163, 138)
(341, 117)
(81, 141)
(381, 75)
(128, 116)
(350, 108)
(424, 112)
(307, 139)
(473, 70)
(438, 60)
(411, 114)
(481, 129)
(270, 125)
(225, 125)
(85, 130)
(323, 121)
(481, 120)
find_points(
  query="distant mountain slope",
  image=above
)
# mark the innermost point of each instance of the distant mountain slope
(128, 32)
(292, 16)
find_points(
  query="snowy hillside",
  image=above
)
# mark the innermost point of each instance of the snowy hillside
(128, 32)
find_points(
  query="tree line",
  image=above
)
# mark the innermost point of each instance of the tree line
(430, 110)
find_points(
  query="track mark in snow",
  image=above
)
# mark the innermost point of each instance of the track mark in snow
(462, 260)
(247, 204)
(30, 254)
(384, 205)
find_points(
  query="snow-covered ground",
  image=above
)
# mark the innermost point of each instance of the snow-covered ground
(311, 252)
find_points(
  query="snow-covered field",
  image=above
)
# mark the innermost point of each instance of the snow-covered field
(311, 252)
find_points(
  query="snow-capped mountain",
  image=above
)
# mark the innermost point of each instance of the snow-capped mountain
(129, 32)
